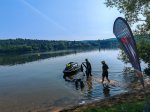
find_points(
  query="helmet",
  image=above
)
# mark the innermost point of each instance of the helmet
(103, 62)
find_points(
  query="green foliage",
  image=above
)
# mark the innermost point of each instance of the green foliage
(143, 46)
(109, 43)
(144, 50)
(123, 57)
(27, 45)
(125, 107)
(144, 53)
(133, 11)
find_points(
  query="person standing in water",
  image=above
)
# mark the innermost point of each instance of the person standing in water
(88, 68)
(104, 71)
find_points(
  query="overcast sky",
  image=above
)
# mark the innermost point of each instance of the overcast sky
(56, 19)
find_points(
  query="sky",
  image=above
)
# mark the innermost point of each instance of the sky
(56, 19)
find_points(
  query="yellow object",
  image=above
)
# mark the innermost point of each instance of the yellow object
(68, 65)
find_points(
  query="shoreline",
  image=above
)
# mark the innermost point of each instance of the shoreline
(136, 94)
(108, 102)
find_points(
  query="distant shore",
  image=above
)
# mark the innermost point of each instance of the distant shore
(20, 45)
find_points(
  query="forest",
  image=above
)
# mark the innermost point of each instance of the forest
(27, 45)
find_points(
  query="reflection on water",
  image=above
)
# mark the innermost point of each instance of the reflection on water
(42, 84)
(106, 90)
(21, 59)
(89, 87)
(93, 88)
(129, 75)
(77, 79)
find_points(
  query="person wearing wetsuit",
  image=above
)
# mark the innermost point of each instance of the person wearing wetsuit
(104, 71)
(88, 68)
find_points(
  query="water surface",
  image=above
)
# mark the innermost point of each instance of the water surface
(39, 84)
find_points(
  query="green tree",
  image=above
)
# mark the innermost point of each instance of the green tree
(134, 11)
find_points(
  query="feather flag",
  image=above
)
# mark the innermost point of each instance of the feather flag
(125, 37)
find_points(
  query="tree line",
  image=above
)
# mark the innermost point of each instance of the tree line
(27, 45)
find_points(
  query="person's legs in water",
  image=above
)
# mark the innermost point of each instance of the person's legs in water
(81, 84)
(87, 74)
(76, 84)
(103, 76)
(107, 77)
(90, 72)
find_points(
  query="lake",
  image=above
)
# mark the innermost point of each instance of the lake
(35, 81)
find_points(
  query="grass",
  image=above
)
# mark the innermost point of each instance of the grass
(125, 107)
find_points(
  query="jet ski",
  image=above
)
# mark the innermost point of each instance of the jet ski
(71, 68)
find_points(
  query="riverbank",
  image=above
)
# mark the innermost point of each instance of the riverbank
(136, 94)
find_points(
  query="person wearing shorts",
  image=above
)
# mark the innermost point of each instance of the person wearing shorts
(104, 71)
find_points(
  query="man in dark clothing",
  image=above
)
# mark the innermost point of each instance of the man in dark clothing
(88, 68)
(105, 71)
